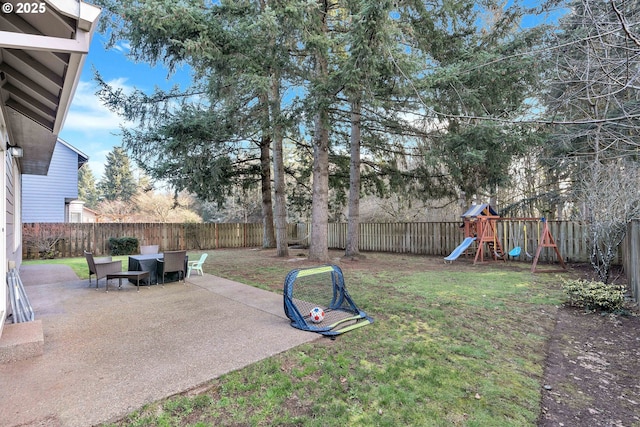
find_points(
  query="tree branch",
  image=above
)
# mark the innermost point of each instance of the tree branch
(623, 22)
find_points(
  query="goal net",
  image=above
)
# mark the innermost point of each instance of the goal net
(323, 287)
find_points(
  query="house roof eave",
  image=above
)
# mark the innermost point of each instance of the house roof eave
(41, 59)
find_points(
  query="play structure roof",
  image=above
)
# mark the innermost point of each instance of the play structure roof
(479, 210)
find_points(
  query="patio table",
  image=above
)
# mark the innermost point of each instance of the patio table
(149, 262)
(130, 275)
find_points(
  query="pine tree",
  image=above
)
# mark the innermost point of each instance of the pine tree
(87, 191)
(118, 182)
(374, 61)
(238, 52)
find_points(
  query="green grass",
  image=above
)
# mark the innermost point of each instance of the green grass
(457, 345)
(79, 265)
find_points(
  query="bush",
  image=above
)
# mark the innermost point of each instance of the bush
(594, 295)
(123, 245)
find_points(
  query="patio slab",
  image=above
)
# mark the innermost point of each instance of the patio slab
(107, 354)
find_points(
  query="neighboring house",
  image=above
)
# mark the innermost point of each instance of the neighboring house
(47, 198)
(41, 58)
(78, 212)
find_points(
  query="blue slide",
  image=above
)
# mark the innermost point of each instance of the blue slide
(458, 251)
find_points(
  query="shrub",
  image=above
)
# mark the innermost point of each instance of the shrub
(594, 295)
(123, 245)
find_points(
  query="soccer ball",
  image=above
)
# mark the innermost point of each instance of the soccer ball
(316, 315)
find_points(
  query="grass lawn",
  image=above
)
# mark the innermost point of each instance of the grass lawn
(452, 345)
(79, 265)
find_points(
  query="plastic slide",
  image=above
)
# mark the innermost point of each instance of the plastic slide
(460, 249)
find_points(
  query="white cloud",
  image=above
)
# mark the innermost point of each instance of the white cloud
(87, 113)
(92, 127)
(122, 47)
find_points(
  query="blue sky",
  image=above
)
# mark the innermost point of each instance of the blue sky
(91, 127)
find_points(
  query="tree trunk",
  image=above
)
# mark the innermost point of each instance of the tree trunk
(278, 171)
(268, 239)
(353, 222)
(319, 245)
(493, 199)
(462, 202)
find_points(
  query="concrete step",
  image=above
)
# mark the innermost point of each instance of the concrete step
(21, 341)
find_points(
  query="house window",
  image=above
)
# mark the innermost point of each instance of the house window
(75, 217)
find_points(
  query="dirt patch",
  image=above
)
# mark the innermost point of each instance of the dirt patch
(592, 372)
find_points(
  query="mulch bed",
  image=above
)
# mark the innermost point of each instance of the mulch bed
(592, 375)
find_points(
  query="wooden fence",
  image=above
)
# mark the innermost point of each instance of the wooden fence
(422, 238)
(441, 238)
(73, 238)
(631, 258)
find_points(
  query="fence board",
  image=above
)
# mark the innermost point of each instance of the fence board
(423, 238)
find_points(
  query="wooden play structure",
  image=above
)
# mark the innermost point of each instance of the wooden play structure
(546, 240)
(480, 223)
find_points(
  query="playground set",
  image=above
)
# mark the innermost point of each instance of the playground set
(480, 224)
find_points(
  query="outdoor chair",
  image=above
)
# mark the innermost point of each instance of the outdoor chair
(149, 249)
(101, 266)
(173, 262)
(196, 265)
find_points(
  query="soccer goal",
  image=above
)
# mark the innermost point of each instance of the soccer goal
(316, 300)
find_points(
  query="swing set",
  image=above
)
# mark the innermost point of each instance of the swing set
(481, 226)
(544, 238)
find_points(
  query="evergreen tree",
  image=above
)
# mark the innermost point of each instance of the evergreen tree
(238, 51)
(118, 182)
(355, 69)
(480, 93)
(87, 190)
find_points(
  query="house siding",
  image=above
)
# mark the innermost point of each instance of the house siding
(9, 202)
(6, 216)
(12, 205)
(45, 196)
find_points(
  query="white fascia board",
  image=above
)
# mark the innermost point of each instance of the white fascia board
(87, 24)
(72, 148)
(21, 41)
(87, 14)
(76, 62)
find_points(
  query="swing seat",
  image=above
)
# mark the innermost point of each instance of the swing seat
(515, 251)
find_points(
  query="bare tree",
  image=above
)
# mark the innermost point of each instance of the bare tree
(163, 207)
(611, 197)
(42, 239)
(594, 92)
(595, 81)
(115, 210)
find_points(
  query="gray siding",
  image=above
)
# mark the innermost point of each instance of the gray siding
(14, 227)
(9, 203)
(44, 196)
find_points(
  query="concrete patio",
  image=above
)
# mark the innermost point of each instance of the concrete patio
(106, 354)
